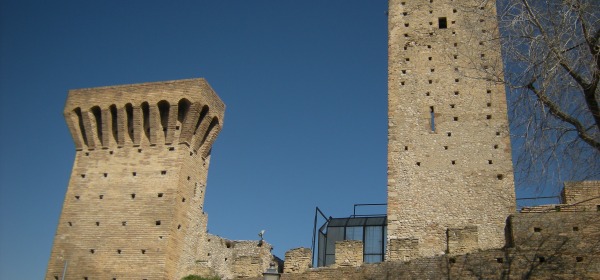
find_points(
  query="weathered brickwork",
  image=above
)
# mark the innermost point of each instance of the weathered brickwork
(348, 253)
(585, 194)
(449, 158)
(297, 260)
(133, 207)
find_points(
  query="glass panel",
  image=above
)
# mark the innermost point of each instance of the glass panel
(356, 222)
(337, 222)
(334, 234)
(373, 240)
(321, 255)
(376, 221)
(329, 260)
(354, 233)
(373, 258)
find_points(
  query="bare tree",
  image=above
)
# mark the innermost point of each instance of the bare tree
(551, 52)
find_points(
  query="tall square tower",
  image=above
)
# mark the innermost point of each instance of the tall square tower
(133, 207)
(450, 176)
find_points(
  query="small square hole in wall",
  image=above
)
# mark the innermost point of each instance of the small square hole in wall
(482, 55)
(70, 224)
(163, 172)
(402, 3)
(489, 117)
(483, 31)
(406, 25)
(85, 278)
(597, 207)
(92, 251)
(157, 223)
(542, 259)
(118, 252)
(132, 196)
(489, 104)
(489, 91)
(402, 83)
(454, 10)
(406, 148)
(82, 175)
(178, 226)
(453, 32)
(456, 80)
(431, 23)
(105, 175)
(456, 93)
(405, 14)
(452, 106)
(449, 134)
(490, 161)
(77, 197)
(143, 251)
(537, 229)
(427, 93)
(454, 162)
(456, 44)
(452, 260)
(429, 46)
(430, 81)
(97, 224)
(177, 127)
(578, 259)
(455, 119)
(139, 150)
(418, 163)
(403, 71)
(496, 146)
(455, 56)
(407, 59)
(55, 277)
(499, 260)
(456, 69)
(432, 70)
(191, 153)
(134, 173)
(160, 194)
(405, 48)
(188, 178)
(497, 133)
(183, 199)
(430, 33)
(405, 35)
(575, 228)
(500, 176)
(442, 23)
(481, 43)
(124, 223)
(101, 196)
(445, 147)
(429, 58)
(87, 154)
(171, 148)
(453, 22)
(111, 152)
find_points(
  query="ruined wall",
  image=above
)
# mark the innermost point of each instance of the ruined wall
(449, 159)
(348, 253)
(137, 187)
(556, 245)
(585, 195)
(233, 258)
(297, 260)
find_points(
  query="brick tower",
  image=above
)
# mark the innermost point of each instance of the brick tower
(450, 176)
(133, 207)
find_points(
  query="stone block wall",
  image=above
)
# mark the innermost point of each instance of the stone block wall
(297, 260)
(348, 253)
(585, 194)
(463, 240)
(449, 158)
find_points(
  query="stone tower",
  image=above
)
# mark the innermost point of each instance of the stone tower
(450, 176)
(133, 207)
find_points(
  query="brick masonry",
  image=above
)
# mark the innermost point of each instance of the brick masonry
(137, 187)
(449, 158)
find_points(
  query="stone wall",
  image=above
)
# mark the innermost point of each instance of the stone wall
(449, 158)
(297, 260)
(348, 253)
(233, 258)
(556, 245)
(585, 194)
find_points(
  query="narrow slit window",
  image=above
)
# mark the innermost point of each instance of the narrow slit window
(431, 118)
(442, 23)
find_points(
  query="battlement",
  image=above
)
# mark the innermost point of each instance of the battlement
(159, 113)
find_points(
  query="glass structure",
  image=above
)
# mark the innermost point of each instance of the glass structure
(370, 230)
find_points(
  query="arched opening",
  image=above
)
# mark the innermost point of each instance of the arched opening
(203, 114)
(146, 119)
(129, 113)
(214, 122)
(77, 112)
(114, 122)
(98, 117)
(163, 109)
(182, 110)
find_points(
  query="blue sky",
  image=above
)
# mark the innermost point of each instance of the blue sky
(305, 84)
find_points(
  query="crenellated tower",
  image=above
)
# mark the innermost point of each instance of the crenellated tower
(450, 176)
(134, 204)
